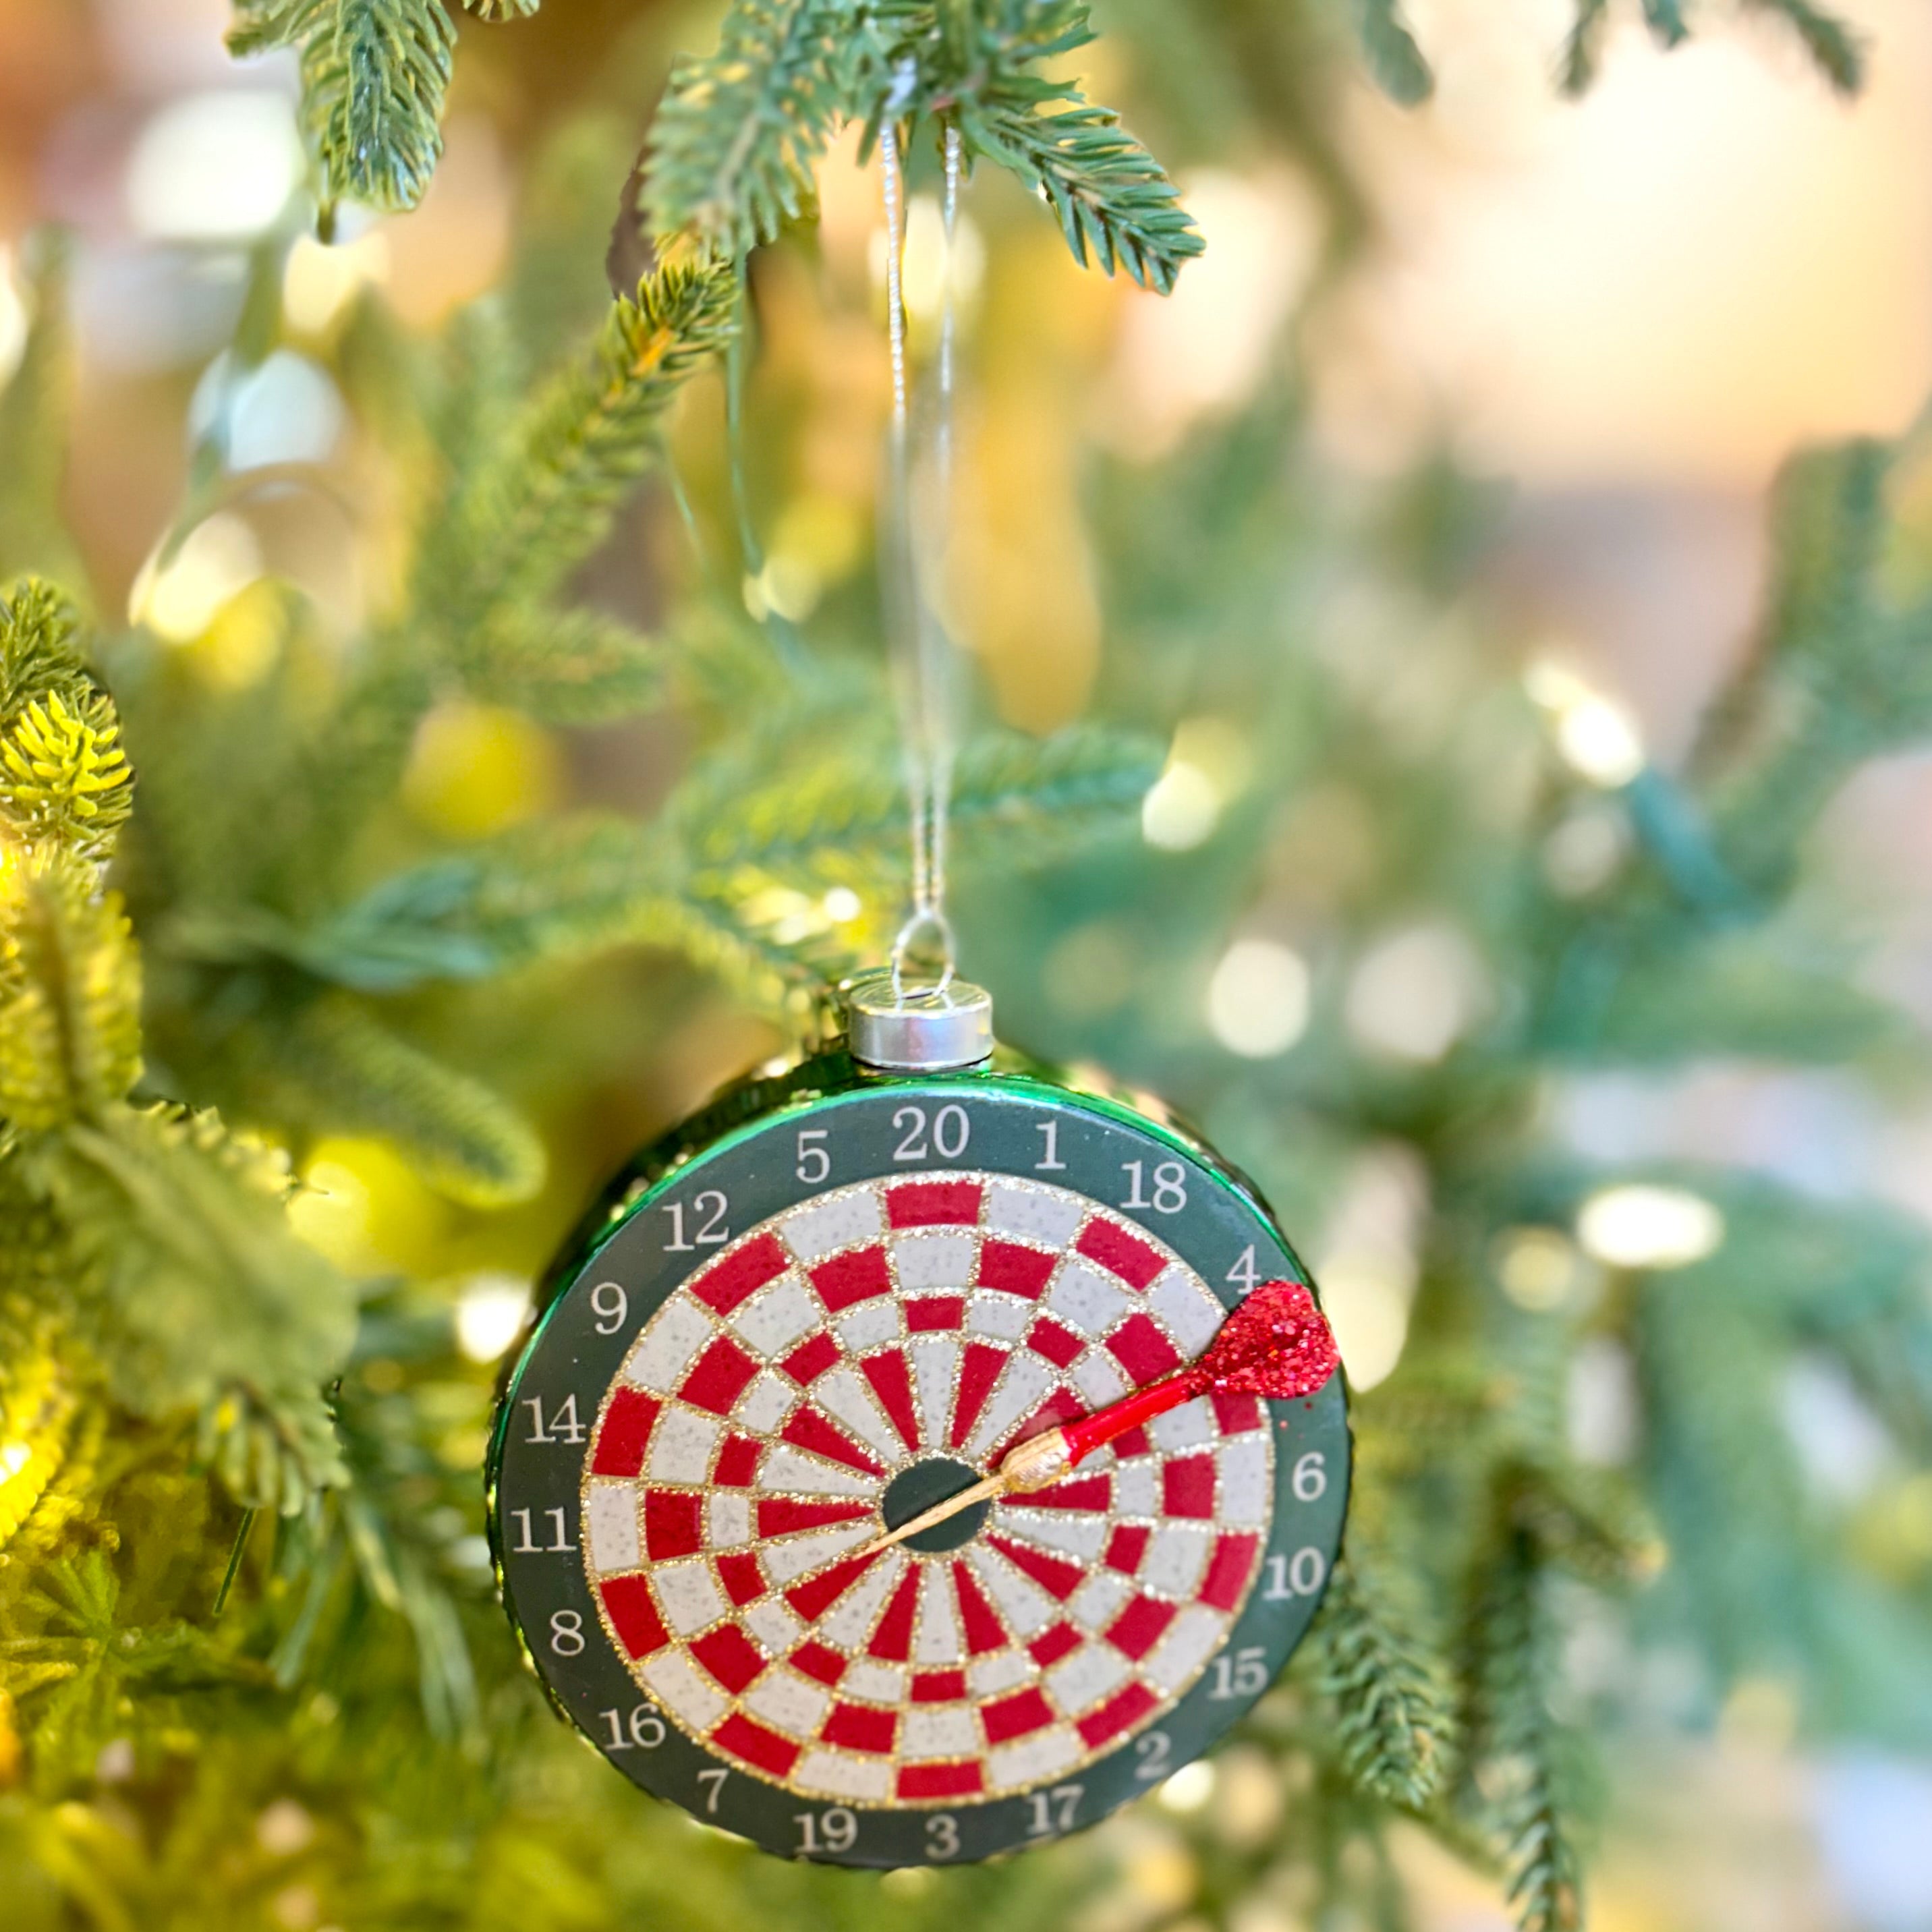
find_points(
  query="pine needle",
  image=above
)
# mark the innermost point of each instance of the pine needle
(1395, 1726)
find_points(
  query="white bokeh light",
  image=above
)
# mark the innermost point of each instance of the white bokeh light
(1646, 1227)
(1181, 809)
(489, 1312)
(285, 411)
(319, 280)
(1258, 999)
(215, 167)
(1597, 737)
(13, 318)
(1367, 1263)
(1413, 996)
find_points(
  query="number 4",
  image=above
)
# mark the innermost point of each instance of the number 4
(1242, 1273)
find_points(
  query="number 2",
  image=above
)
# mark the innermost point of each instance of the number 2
(1153, 1750)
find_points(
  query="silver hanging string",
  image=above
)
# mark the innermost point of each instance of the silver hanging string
(915, 521)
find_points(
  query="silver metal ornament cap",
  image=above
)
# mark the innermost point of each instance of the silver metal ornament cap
(915, 1029)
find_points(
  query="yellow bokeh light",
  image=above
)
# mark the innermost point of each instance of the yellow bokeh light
(365, 1208)
(477, 768)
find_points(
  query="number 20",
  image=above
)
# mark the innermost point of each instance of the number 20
(951, 1131)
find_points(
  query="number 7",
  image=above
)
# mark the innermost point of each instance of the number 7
(716, 1780)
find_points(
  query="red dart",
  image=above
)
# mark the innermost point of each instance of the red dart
(1275, 1343)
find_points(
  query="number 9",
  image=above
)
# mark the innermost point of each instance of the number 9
(611, 1305)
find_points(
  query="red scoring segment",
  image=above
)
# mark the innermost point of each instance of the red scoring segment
(736, 1654)
(726, 1283)
(934, 1203)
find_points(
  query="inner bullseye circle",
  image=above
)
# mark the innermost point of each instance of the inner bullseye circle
(927, 1482)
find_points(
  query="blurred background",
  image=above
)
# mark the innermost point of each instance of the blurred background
(1550, 351)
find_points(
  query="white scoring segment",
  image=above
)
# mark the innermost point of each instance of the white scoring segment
(743, 1453)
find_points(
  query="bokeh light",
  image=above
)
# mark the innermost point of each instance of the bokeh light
(1413, 995)
(489, 1311)
(217, 166)
(1645, 1227)
(178, 599)
(1257, 998)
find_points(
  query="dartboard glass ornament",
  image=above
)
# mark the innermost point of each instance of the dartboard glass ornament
(910, 1282)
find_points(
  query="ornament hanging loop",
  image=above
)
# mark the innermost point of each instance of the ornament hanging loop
(928, 922)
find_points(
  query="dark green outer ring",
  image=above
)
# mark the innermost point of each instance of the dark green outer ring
(730, 1141)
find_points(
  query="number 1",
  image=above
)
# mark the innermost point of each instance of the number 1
(1049, 1163)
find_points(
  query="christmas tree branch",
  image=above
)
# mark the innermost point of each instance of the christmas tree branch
(734, 142)
(192, 1293)
(542, 498)
(1395, 1726)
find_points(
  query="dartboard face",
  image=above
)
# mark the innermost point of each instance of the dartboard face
(821, 1324)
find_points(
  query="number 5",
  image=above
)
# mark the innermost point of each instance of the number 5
(814, 1162)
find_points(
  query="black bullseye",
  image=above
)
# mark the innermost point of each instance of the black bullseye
(921, 1486)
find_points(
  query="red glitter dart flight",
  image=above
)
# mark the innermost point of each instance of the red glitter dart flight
(1275, 1344)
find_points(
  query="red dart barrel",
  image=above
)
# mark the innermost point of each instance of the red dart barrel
(1275, 1344)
